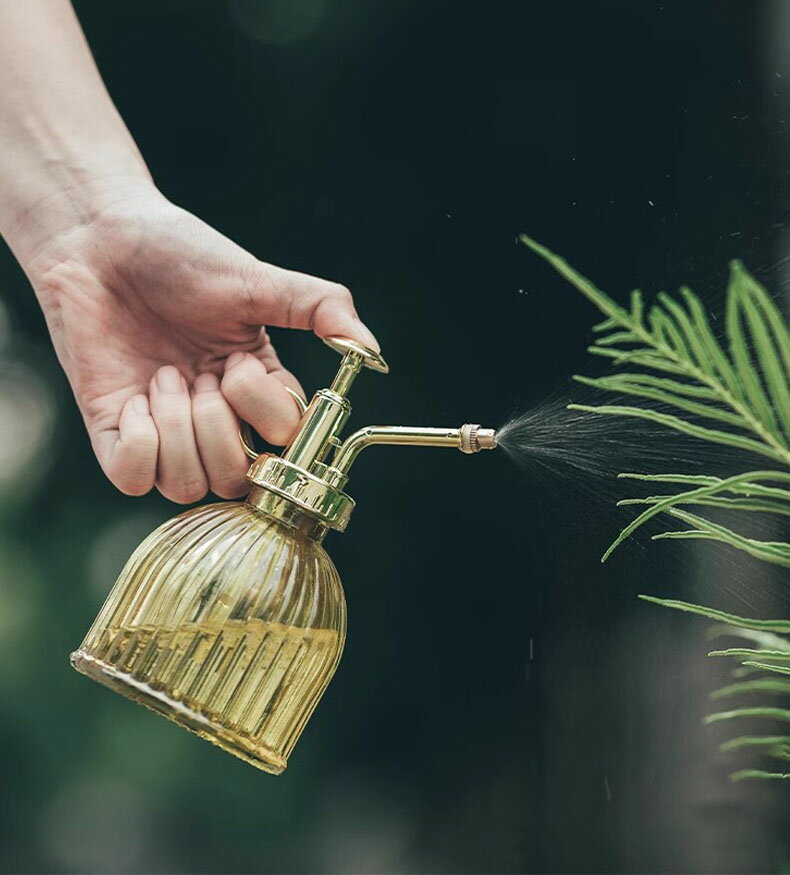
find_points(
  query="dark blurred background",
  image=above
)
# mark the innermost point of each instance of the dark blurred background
(505, 703)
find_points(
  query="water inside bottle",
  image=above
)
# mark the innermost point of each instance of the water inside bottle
(246, 685)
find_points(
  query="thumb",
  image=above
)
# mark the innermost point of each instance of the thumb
(289, 299)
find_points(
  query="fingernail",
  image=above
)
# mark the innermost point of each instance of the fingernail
(233, 359)
(140, 404)
(367, 335)
(169, 380)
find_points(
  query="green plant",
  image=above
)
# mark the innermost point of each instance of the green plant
(738, 396)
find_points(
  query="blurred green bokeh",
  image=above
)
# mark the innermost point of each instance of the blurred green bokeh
(504, 703)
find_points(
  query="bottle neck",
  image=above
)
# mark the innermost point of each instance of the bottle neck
(288, 513)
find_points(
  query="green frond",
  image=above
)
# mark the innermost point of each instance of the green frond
(776, 378)
(604, 326)
(696, 479)
(638, 357)
(747, 504)
(637, 306)
(777, 552)
(764, 640)
(766, 666)
(737, 713)
(746, 488)
(617, 337)
(714, 531)
(677, 424)
(759, 685)
(770, 741)
(624, 385)
(721, 616)
(601, 300)
(691, 337)
(776, 322)
(677, 387)
(666, 333)
(776, 656)
(742, 358)
(721, 364)
(673, 358)
(745, 774)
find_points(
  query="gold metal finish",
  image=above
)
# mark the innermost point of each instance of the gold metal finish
(325, 417)
(314, 466)
(393, 434)
(475, 438)
(369, 357)
(309, 492)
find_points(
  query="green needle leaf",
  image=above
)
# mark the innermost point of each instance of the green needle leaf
(771, 713)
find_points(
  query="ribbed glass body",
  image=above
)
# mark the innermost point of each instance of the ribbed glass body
(229, 622)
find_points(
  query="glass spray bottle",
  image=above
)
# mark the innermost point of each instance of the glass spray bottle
(230, 618)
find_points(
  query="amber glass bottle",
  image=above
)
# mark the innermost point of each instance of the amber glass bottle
(228, 621)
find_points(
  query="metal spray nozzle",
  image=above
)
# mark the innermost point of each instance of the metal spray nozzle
(314, 467)
(475, 438)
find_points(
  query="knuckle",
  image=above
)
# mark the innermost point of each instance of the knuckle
(171, 417)
(131, 487)
(184, 491)
(230, 486)
(145, 440)
(341, 293)
(240, 381)
(277, 433)
(208, 407)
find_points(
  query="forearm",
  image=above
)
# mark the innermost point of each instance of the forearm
(64, 149)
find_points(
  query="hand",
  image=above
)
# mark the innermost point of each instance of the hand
(158, 321)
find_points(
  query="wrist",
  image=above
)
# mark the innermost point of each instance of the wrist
(46, 203)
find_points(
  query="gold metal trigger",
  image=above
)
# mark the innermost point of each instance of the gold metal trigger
(247, 435)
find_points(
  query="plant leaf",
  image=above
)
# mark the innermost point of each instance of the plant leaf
(604, 326)
(678, 424)
(702, 480)
(693, 390)
(666, 333)
(700, 492)
(620, 383)
(601, 300)
(759, 685)
(745, 774)
(770, 551)
(772, 713)
(617, 337)
(765, 666)
(771, 341)
(637, 306)
(691, 337)
(755, 741)
(779, 656)
(722, 616)
(715, 353)
(747, 504)
(741, 355)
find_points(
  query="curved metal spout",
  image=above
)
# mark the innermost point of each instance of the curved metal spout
(469, 438)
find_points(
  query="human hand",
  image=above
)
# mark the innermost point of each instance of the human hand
(159, 323)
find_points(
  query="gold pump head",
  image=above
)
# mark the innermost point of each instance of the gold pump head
(313, 468)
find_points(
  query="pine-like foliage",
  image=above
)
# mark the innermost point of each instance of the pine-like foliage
(738, 395)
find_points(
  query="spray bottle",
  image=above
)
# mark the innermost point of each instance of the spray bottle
(230, 618)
